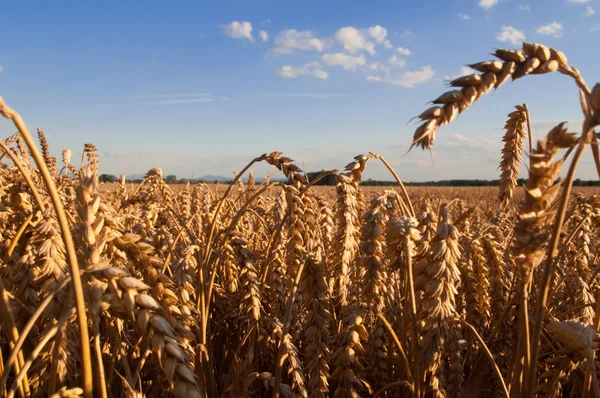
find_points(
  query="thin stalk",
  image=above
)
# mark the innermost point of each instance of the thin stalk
(27, 328)
(36, 351)
(413, 309)
(402, 188)
(405, 363)
(590, 369)
(86, 358)
(402, 383)
(13, 337)
(487, 353)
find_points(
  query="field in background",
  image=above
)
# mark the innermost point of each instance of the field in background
(294, 290)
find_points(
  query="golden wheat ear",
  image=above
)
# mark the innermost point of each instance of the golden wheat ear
(512, 64)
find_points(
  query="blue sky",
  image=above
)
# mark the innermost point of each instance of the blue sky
(203, 87)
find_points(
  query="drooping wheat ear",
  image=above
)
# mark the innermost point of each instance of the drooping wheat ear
(511, 154)
(533, 59)
(438, 280)
(286, 166)
(347, 375)
(535, 213)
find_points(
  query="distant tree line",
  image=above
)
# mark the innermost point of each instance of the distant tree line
(330, 180)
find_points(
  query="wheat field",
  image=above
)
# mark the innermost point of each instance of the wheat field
(288, 289)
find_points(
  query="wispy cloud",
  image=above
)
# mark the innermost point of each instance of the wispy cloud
(181, 101)
(291, 40)
(238, 30)
(589, 11)
(396, 62)
(171, 95)
(312, 70)
(303, 95)
(264, 36)
(510, 34)
(578, 1)
(553, 29)
(406, 79)
(463, 16)
(524, 7)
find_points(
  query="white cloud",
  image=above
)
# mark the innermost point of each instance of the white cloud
(290, 40)
(487, 4)
(320, 74)
(525, 7)
(290, 72)
(553, 29)
(264, 36)
(578, 1)
(388, 44)
(407, 34)
(465, 70)
(406, 79)
(344, 60)
(354, 40)
(182, 101)
(404, 51)
(374, 66)
(238, 30)
(0, 68)
(510, 34)
(396, 62)
(377, 32)
(589, 11)
(463, 16)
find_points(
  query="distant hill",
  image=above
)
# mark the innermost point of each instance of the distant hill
(213, 178)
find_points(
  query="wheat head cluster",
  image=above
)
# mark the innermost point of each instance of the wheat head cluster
(286, 289)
